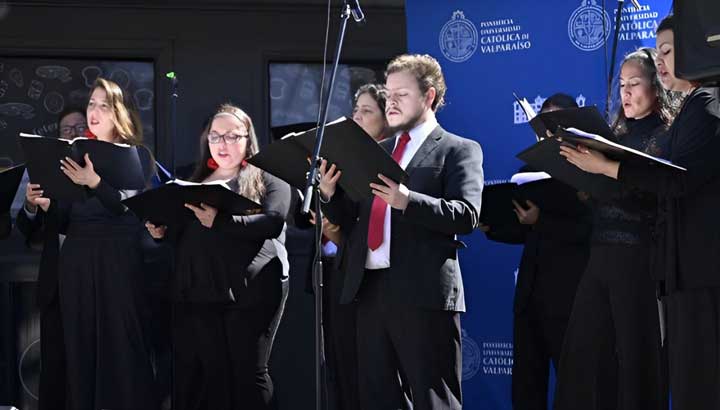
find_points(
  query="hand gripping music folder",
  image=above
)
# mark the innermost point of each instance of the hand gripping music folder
(345, 144)
(117, 164)
(165, 205)
(549, 194)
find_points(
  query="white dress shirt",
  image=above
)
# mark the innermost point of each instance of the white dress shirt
(380, 257)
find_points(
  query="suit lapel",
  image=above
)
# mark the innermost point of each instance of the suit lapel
(388, 145)
(429, 145)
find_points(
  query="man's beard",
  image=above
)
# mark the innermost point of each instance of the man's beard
(406, 125)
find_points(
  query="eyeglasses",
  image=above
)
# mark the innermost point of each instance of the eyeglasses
(215, 138)
(68, 129)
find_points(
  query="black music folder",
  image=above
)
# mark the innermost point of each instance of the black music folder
(9, 183)
(611, 149)
(537, 187)
(587, 119)
(580, 126)
(165, 205)
(545, 155)
(345, 144)
(117, 164)
(497, 207)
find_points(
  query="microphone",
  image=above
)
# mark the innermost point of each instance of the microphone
(356, 11)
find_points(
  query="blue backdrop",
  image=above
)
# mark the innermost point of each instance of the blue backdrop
(489, 49)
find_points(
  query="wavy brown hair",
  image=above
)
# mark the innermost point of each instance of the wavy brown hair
(249, 179)
(426, 70)
(127, 121)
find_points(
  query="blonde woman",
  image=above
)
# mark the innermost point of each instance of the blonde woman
(99, 265)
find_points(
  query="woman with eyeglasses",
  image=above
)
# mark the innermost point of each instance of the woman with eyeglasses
(90, 287)
(231, 277)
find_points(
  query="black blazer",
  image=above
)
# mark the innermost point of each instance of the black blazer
(687, 247)
(445, 183)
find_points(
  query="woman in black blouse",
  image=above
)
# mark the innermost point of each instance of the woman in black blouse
(687, 260)
(611, 352)
(231, 277)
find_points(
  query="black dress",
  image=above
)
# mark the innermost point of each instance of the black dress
(686, 259)
(100, 298)
(230, 288)
(611, 353)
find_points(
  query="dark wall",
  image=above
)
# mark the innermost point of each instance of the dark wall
(220, 54)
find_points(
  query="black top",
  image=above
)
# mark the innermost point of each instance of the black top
(628, 218)
(217, 265)
(686, 256)
(104, 203)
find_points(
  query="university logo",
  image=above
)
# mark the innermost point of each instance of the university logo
(589, 26)
(458, 38)
(471, 356)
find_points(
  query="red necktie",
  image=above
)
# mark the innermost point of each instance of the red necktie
(379, 207)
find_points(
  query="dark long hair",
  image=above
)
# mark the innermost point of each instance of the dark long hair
(666, 103)
(249, 179)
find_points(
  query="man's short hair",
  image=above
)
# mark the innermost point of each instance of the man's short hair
(426, 71)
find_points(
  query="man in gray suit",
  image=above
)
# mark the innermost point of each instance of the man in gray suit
(399, 251)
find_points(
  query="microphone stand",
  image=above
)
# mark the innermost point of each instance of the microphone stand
(173, 115)
(613, 54)
(173, 137)
(312, 187)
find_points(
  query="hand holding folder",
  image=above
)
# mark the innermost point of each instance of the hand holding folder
(580, 126)
(612, 149)
(165, 205)
(345, 144)
(118, 164)
(536, 187)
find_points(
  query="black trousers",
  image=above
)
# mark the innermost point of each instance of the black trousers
(52, 358)
(222, 352)
(537, 342)
(340, 327)
(408, 357)
(611, 355)
(694, 348)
